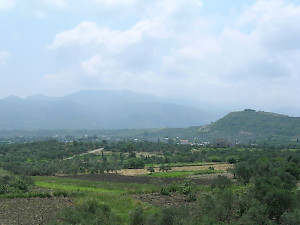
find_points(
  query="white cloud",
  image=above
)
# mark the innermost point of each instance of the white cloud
(4, 56)
(89, 34)
(173, 50)
(99, 65)
(6, 4)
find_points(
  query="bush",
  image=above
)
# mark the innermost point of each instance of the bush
(89, 212)
(192, 197)
(15, 185)
(221, 182)
(134, 163)
(173, 187)
(187, 187)
(137, 216)
(164, 190)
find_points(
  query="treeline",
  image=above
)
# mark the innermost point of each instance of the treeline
(51, 157)
(41, 158)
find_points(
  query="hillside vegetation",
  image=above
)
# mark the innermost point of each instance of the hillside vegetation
(259, 185)
(250, 124)
(246, 127)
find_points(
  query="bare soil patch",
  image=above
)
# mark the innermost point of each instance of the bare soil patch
(30, 211)
(172, 200)
(95, 152)
(211, 176)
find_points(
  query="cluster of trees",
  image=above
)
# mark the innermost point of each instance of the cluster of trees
(14, 185)
(50, 157)
(40, 158)
(88, 212)
(266, 193)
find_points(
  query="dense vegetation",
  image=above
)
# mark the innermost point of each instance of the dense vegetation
(246, 127)
(257, 126)
(14, 185)
(264, 189)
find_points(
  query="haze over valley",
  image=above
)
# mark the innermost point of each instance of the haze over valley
(143, 112)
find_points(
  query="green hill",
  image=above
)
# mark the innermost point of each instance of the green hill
(254, 126)
(244, 126)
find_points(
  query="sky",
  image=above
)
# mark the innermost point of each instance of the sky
(242, 53)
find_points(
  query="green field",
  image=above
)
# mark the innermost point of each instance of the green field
(67, 184)
(115, 195)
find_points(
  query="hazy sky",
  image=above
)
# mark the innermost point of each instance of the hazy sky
(219, 51)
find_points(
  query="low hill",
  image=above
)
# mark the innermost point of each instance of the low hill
(252, 125)
(244, 126)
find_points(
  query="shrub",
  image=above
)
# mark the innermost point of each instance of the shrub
(137, 216)
(164, 190)
(187, 186)
(221, 182)
(173, 187)
(14, 185)
(89, 212)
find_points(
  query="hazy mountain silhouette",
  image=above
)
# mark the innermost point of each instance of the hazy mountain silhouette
(101, 109)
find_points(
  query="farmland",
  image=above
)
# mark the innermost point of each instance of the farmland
(118, 183)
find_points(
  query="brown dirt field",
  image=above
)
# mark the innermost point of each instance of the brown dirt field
(135, 172)
(172, 200)
(134, 179)
(30, 211)
(211, 176)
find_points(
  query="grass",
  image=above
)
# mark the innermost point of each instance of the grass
(180, 174)
(115, 195)
(121, 204)
(67, 184)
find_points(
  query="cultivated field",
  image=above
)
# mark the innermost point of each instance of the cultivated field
(31, 211)
(204, 166)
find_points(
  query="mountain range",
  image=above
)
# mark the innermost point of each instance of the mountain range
(101, 109)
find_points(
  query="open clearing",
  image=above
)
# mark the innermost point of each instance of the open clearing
(117, 178)
(136, 172)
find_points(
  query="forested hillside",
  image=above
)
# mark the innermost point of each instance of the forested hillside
(252, 125)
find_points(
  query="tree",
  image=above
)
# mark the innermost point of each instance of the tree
(151, 170)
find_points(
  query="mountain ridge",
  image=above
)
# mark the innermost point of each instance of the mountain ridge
(97, 109)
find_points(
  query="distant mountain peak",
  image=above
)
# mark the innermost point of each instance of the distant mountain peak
(12, 98)
(98, 109)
